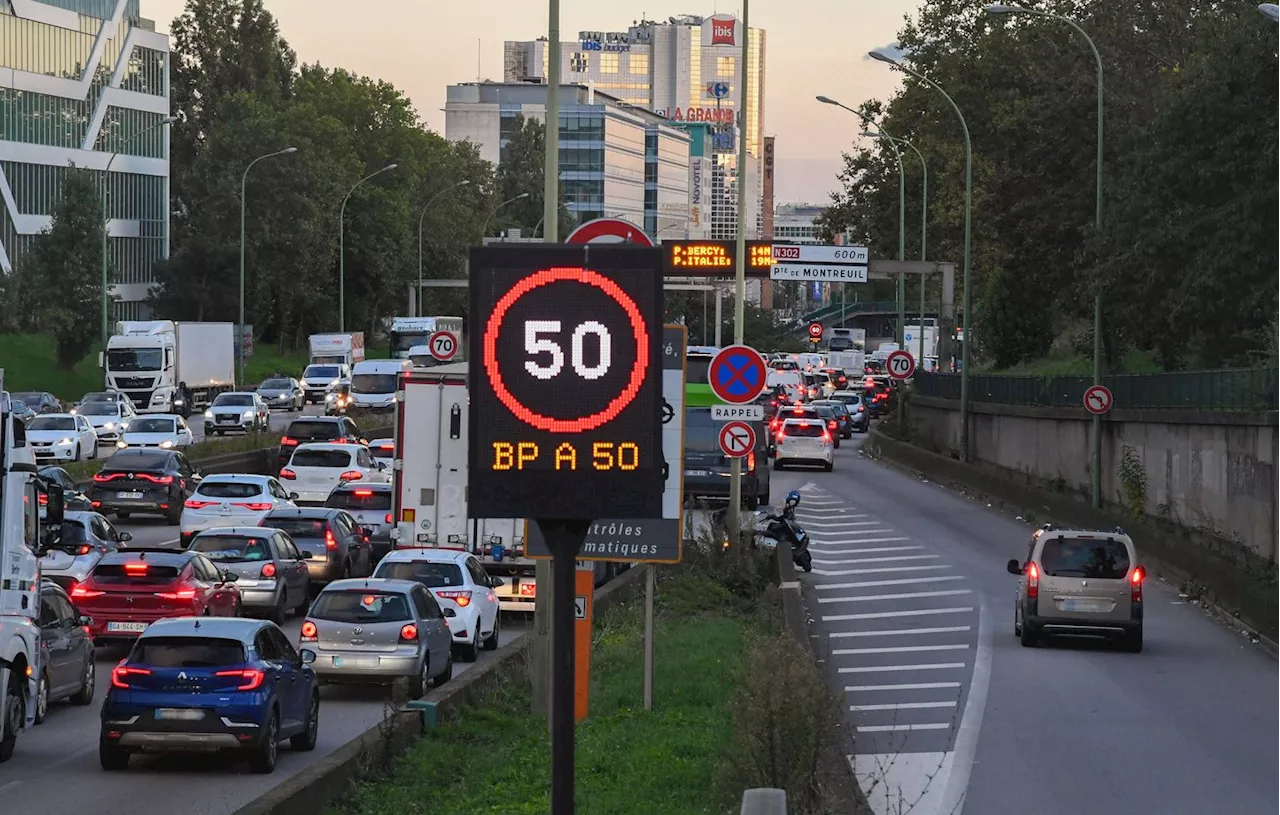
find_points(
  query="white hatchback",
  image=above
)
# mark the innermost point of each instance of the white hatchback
(165, 431)
(231, 500)
(62, 437)
(315, 469)
(384, 451)
(805, 441)
(461, 585)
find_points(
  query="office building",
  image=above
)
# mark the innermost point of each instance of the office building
(616, 160)
(80, 80)
(687, 70)
(796, 223)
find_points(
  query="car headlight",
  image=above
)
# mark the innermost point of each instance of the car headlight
(329, 397)
(121, 444)
(166, 443)
(109, 426)
(248, 414)
(208, 414)
(65, 441)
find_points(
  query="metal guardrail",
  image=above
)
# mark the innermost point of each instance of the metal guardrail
(1232, 389)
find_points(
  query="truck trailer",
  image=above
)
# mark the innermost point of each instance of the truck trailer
(165, 366)
(337, 349)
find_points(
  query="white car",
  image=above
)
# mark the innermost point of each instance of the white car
(242, 410)
(231, 500)
(319, 378)
(805, 441)
(108, 419)
(460, 584)
(315, 469)
(62, 437)
(165, 431)
(384, 451)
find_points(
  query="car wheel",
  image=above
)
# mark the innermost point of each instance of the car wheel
(471, 651)
(263, 759)
(14, 712)
(445, 675)
(1017, 624)
(828, 465)
(278, 613)
(306, 740)
(173, 516)
(42, 697)
(491, 642)
(112, 757)
(84, 696)
(418, 684)
(77, 453)
(1028, 635)
(753, 503)
(305, 603)
(777, 465)
(1133, 641)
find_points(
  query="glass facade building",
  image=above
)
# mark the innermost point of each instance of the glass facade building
(85, 83)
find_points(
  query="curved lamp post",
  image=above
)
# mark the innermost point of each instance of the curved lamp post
(425, 207)
(1097, 297)
(968, 242)
(1271, 10)
(243, 181)
(494, 212)
(106, 174)
(342, 267)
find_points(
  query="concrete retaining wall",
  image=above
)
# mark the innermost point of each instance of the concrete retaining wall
(1215, 473)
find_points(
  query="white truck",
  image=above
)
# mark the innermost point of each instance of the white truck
(429, 495)
(851, 362)
(154, 362)
(337, 349)
(911, 341)
(847, 339)
(407, 332)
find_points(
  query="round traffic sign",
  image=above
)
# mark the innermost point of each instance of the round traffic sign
(1098, 399)
(588, 370)
(737, 439)
(737, 374)
(900, 364)
(609, 230)
(815, 330)
(443, 345)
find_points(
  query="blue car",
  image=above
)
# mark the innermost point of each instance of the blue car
(210, 684)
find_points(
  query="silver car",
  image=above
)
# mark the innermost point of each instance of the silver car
(108, 419)
(270, 571)
(282, 393)
(238, 411)
(377, 630)
(93, 536)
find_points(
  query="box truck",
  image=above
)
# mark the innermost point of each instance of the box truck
(407, 332)
(337, 349)
(165, 366)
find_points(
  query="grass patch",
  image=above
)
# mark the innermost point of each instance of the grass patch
(1066, 362)
(83, 470)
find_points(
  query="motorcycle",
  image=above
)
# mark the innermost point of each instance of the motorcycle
(773, 528)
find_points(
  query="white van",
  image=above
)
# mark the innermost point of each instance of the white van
(373, 383)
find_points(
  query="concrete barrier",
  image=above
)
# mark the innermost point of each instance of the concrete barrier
(764, 802)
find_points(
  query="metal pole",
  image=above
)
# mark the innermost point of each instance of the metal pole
(740, 268)
(564, 538)
(719, 317)
(422, 217)
(342, 266)
(244, 178)
(924, 228)
(649, 578)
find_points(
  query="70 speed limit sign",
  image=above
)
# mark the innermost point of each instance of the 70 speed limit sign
(900, 365)
(443, 345)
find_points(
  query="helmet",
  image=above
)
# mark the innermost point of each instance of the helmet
(793, 497)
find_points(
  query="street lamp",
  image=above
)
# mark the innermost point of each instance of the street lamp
(1270, 10)
(494, 212)
(1097, 295)
(968, 242)
(342, 266)
(425, 207)
(167, 120)
(243, 180)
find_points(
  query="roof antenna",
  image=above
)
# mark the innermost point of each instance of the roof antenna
(197, 622)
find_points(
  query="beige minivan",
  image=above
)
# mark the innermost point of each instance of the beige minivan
(1079, 582)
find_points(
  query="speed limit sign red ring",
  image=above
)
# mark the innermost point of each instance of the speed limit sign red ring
(566, 274)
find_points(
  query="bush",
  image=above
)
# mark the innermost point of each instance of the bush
(784, 717)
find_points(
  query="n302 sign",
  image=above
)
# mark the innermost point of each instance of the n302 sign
(565, 370)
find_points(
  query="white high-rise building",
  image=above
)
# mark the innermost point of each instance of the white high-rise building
(685, 69)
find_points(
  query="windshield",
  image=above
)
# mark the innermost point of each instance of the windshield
(373, 383)
(302, 429)
(810, 430)
(187, 652)
(151, 426)
(402, 342)
(99, 409)
(322, 372)
(359, 498)
(146, 461)
(28, 398)
(134, 572)
(320, 458)
(229, 489)
(431, 575)
(100, 396)
(275, 385)
(232, 547)
(362, 606)
(1085, 557)
(134, 359)
(298, 527)
(52, 423)
(233, 400)
(19, 406)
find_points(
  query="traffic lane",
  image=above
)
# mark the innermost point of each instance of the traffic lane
(279, 421)
(1187, 725)
(55, 768)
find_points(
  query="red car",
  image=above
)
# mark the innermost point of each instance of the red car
(129, 590)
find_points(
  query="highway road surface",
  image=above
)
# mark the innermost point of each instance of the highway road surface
(279, 421)
(913, 610)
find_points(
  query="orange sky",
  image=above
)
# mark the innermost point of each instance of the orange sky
(812, 47)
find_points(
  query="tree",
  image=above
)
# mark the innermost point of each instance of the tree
(63, 271)
(523, 169)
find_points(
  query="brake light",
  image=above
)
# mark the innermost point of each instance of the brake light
(120, 673)
(135, 568)
(782, 434)
(101, 477)
(462, 598)
(831, 424)
(81, 593)
(288, 442)
(1033, 580)
(1135, 583)
(409, 633)
(192, 503)
(268, 570)
(826, 437)
(329, 542)
(309, 632)
(340, 441)
(388, 518)
(177, 594)
(287, 474)
(254, 506)
(156, 479)
(84, 549)
(751, 461)
(351, 475)
(43, 499)
(363, 493)
(253, 678)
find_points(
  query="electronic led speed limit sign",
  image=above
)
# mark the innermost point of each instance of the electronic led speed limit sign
(566, 382)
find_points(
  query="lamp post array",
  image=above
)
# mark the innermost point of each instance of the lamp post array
(243, 181)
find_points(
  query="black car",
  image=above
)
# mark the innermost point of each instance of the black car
(21, 412)
(151, 481)
(74, 499)
(706, 468)
(370, 505)
(856, 406)
(333, 429)
(844, 420)
(66, 652)
(828, 416)
(39, 401)
(339, 547)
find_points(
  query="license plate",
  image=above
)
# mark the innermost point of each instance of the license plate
(132, 628)
(697, 473)
(178, 714)
(355, 662)
(1086, 606)
(227, 420)
(127, 495)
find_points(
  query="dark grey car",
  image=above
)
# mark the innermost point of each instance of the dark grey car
(66, 652)
(39, 401)
(339, 547)
(706, 469)
(271, 571)
(370, 505)
(281, 393)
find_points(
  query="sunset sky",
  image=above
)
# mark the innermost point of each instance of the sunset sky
(812, 47)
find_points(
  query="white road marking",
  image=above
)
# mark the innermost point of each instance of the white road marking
(840, 514)
(892, 780)
(903, 706)
(911, 686)
(879, 570)
(966, 744)
(907, 596)
(946, 629)
(833, 547)
(903, 649)
(876, 615)
(904, 581)
(927, 666)
(877, 559)
(893, 728)
(842, 524)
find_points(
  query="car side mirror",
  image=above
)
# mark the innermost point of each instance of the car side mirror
(84, 620)
(308, 656)
(125, 537)
(57, 508)
(1013, 566)
(366, 531)
(229, 577)
(293, 496)
(448, 612)
(498, 581)
(304, 555)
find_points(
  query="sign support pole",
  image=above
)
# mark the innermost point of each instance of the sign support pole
(564, 539)
(649, 578)
(740, 270)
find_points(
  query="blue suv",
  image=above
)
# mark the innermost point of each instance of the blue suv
(210, 684)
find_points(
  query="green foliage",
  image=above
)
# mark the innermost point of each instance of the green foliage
(1133, 482)
(523, 169)
(762, 328)
(62, 276)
